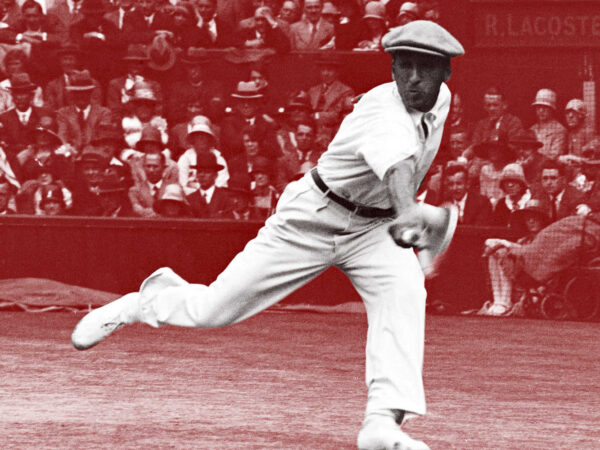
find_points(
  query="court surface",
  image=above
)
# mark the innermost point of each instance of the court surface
(293, 380)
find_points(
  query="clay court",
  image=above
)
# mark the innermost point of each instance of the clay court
(293, 380)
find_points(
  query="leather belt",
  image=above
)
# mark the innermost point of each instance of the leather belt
(363, 211)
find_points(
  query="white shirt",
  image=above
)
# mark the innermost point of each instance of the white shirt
(86, 111)
(207, 194)
(211, 25)
(377, 134)
(24, 115)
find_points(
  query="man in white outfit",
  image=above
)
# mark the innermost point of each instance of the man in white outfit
(352, 211)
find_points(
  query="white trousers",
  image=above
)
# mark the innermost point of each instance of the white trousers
(307, 234)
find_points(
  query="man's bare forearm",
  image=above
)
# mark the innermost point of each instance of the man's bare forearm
(399, 180)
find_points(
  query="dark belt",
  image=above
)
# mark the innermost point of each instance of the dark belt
(363, 211)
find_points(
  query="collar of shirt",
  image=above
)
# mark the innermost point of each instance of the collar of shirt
(432, 117)
(24, 115)
(251, 121)
(303, 156)
(155, 186)
(208, 194)
(520, 204)
(559, 197)
(86, 111)
(149, 19)
(461, 205)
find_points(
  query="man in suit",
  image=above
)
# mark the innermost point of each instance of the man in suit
(117, 16)
(473, 208)
(330, 97)
(36, 28)
(498, 118)
(20, 121)
(56, 94)
(77, 122)
(556, 195)
(265, 32)
(293, 164)
(215, 32)
(150, 185)
(67, 11)
(312, 32)
(209, 201)
(141, 24)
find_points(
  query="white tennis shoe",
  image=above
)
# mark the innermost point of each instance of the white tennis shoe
(382, 433)
(101, 322)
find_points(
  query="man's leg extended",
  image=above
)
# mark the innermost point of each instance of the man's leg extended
(294, 246)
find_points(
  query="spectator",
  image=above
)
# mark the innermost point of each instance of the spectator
(117, 16)
(203, 140)
(172, 203)
(375, 26)
(112, 199)
(108, 139)
(78, 121)
(330, 97)
(198, 88)
(264, 194)
(182, 25)
(496, 153)
(248, 107)
(144, 105)
(345, 18)
(289, 13)
(240, 199)
(502, 262)
(56, 94)
(52, 202)
(473, 208)
(455, 147)
(15, 62)
(526, 145)
(578, 134)
(497, 118)
(516, 194)
(67, 11)
(214, 32)
(151, 185)
(19, 122)
(46, 152)
(141, 24)
(6, 195)
(312, 32)
(243, 164)
(208, 200)
(556, 195)
(266, 33)
(9, 13)
(298, 110)
(548, 130)
(456, 116)
(330, 13)
(90, 167)
(119, 89)
(37, 29)
(294, 164)
(408, 12)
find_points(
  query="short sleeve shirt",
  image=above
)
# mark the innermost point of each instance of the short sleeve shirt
(377, 134)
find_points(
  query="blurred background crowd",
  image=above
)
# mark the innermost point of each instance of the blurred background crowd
(94, 122)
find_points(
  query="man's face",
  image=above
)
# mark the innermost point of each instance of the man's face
(146, 7)
(305, 138)
(4, 196)
(513, 188)
(457, 185)
(53, 208)
(552, 181)
(206, 178)
(250, 146)
(288, 11)
(33, 18)
(533, 223)
(543, 113)
(22, 99)
(68, 63)
(312, 10)
(458, 144)
(328, 74)
(418, 77)
(247, 108)
(15, 65)
(153, 167)
(494, 106)
(261, 179)
(206, 9)
(92, 173)
(573, 119)
(81, 99)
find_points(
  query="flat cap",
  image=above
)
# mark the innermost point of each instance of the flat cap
(422, 36)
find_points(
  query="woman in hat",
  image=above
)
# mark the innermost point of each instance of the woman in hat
(375, 26)
(502, 263)
(172, 203)
(549, 131)
(203, 140)
(516, 195)
(144, 104)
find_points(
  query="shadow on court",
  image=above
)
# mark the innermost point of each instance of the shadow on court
(293, 381)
